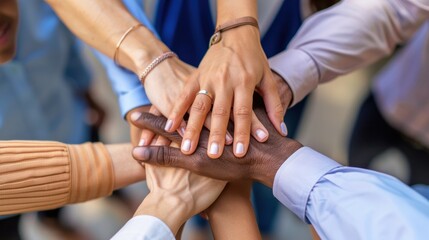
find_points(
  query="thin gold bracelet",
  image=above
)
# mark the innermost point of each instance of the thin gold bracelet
(118, 45)
(154, 63)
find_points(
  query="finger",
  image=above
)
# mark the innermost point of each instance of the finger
(182, 105)
(162, 141)
(146, 136)
(259, 132)
(154, 124)
(173, 157)
(181, 130)
(198, 113)
(219, 122)
(242, 112)
(273, 103)
(207, 124)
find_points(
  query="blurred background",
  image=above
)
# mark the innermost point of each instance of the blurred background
(326, 126)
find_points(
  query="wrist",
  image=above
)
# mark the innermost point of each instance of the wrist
(137, 56)
(266, 170)
(168, 208)
(285, 93)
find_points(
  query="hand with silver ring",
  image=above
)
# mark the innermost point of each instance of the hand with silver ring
(224, 83)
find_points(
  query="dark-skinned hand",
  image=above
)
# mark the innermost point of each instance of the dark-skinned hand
(260, 163)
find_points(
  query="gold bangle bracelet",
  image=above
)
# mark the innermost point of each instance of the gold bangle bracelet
(118, 45)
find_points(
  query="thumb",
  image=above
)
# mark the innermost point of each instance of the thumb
(155, 124)
(273, 105)
(161, 156)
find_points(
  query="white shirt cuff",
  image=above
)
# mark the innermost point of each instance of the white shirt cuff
(299, 70)
(144, 227)
(297, 176)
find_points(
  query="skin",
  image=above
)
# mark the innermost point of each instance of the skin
(177, 194)
(231, 82)
(260, 164)
(8, 29)
(102, 23)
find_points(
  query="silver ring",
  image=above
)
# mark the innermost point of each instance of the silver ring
(205, 92)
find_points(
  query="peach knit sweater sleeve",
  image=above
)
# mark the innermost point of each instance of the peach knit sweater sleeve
(40, 175)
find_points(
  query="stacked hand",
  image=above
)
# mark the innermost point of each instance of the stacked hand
(229, 73)
(261, 163)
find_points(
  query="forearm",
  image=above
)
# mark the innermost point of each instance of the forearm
(364, 32)
(102, 23)
(232, 207)
(126, 170)
(168, 208)
(228, 10)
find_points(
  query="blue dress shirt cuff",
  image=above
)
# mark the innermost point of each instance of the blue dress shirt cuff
(144, 227)
(297, 176)
(134, 98)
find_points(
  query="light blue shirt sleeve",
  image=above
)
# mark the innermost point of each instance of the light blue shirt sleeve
(144, 227)
(126, 84)
(349, 203)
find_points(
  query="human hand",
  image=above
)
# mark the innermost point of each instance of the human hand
(285, 92)
(230, 71)
(165, 83)
(261, 163)
(163, 86)
(177, 194)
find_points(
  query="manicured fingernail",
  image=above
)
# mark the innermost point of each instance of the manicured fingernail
(284, 128)
(141, 153)
(261, 134)
(186, 145)
(168, 125)
(239, 149)
(141, 142)
(214, 148)
(135, 116)
(228, 138)
(182, 131)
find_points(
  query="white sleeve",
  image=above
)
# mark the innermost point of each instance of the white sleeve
(144, 228)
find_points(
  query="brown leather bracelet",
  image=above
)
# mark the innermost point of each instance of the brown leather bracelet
(216, 37)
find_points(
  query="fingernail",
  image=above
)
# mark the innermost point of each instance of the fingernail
(141, 153)
(228, 138)
(135, 116)
(239, 149)
(261, 134)
(168, 125)
(182, 131)
(214, 148)
(141, 142)
(186, 145)
(284, 128)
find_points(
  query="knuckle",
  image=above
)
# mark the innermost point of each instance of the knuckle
(243, 111)
(278, 109)
(217, 134)
(199, 107)
(167, 159)
(220, 111)
(241, 134)
(191, 129)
